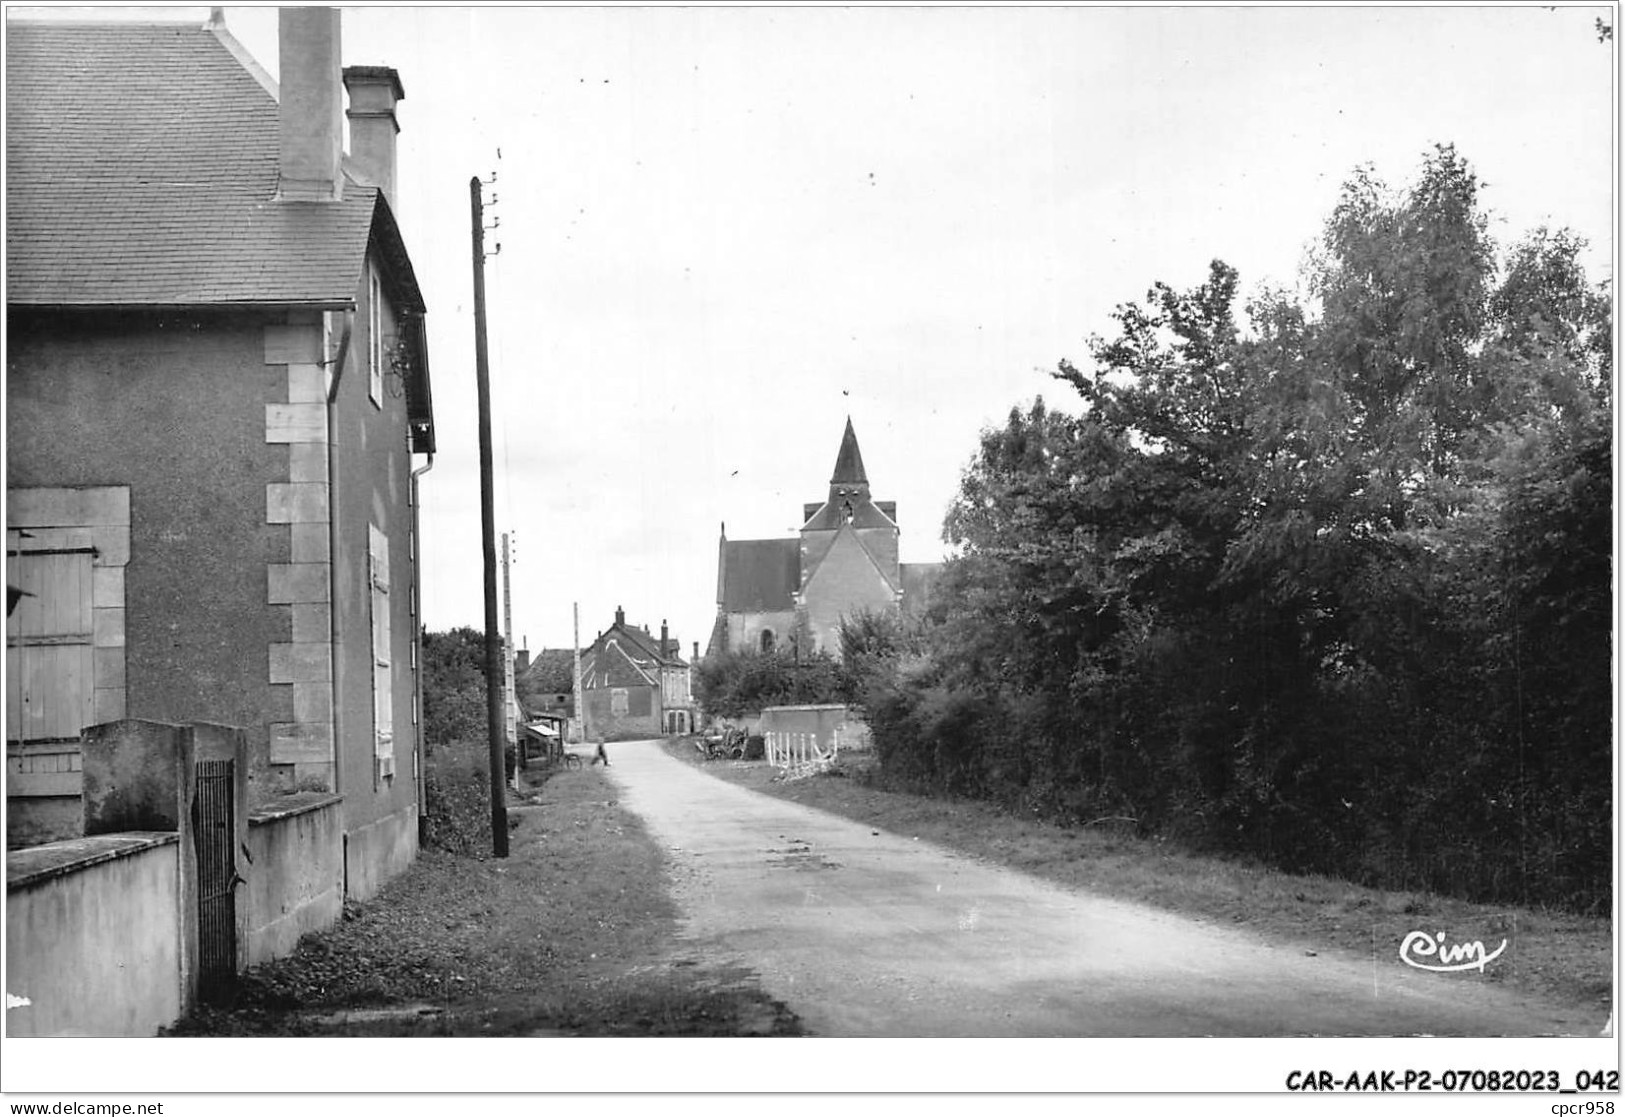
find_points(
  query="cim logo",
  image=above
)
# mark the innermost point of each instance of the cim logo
(1419, 947)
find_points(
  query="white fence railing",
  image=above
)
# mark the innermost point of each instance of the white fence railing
(800, 754)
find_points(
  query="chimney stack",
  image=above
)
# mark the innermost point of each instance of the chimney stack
(374, 93)
(310, 127)
(665, 641)
(620, 616)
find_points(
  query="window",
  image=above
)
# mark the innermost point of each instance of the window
(383, 709)
(767, 640)
(375, 337)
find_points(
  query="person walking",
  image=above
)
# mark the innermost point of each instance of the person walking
(600, 754)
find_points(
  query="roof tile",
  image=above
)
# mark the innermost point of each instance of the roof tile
(141, 167)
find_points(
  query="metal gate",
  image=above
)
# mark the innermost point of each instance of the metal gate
(214, 828)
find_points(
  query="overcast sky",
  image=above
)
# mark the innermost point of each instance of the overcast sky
(724, 230)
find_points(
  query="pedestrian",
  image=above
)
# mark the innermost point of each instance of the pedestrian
(601, 755)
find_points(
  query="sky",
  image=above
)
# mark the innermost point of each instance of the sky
(724, 231)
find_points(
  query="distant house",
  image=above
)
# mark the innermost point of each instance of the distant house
(635, 685)
(219, 409)
(776, 594)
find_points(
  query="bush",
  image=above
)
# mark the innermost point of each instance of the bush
(735, 684)
(457, 799)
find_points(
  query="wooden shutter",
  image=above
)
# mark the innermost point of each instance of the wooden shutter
(383, 702)
(50, 685)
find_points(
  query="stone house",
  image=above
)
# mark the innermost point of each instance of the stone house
(218, 413)
(635, 685)
(775, 594)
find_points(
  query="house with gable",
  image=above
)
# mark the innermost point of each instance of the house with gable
(635, 685)
(218, 414)
(776, 594)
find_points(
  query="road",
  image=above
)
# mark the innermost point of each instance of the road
(865, 933)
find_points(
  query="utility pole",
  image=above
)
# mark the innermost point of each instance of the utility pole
(580, 700)
(493, 638)
(510, 695)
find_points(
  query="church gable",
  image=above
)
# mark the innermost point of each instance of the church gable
(850, 576)
(846, 561)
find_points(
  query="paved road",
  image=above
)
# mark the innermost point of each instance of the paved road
(876, 934)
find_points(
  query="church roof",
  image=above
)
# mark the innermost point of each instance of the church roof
(760, 575)
(865, 514)
(849, 461)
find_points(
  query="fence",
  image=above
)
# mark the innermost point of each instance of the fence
(807, 739)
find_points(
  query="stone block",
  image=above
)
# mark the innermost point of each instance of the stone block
(301, 663)
(307, 462)
(301, 743)
(295, 422)
(293, 583)
(296, 503)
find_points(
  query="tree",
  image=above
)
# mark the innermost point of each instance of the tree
(1326, 582)
(737, 684)
(551, 672)
(454, 707)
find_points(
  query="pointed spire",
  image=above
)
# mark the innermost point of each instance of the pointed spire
(849, 462)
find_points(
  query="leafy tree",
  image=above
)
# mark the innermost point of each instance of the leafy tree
(1327, 582)
(551, 672)
(737, 684)
(454, 706)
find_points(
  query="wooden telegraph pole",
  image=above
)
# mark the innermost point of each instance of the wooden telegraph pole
(580, 700)
(494, 676)
(510, 693)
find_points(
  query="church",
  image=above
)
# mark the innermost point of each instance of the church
(783, 594)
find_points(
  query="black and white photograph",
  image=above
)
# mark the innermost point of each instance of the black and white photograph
(921, 550)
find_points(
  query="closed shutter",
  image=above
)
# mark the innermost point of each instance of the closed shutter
(50, 685)
(383, 704)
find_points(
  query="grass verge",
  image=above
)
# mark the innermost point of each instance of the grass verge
(1555, 955)
(572, 934)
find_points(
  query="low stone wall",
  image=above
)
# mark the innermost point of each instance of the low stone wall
(381, 851)
(93, 941)
(295, 874)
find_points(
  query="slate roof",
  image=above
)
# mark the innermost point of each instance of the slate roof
(849, 460)
(610, 663)
(627, 655)
(865, 514)
(141, 170)
(760, 575)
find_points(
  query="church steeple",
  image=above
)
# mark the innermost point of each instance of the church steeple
(849, 462)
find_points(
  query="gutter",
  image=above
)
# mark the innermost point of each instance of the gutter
(417, 646)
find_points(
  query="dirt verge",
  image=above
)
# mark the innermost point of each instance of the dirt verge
(572, 934)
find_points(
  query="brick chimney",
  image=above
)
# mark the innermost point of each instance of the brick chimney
(620, 616)
(665, 641)
(310, 127)
(374, 92)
